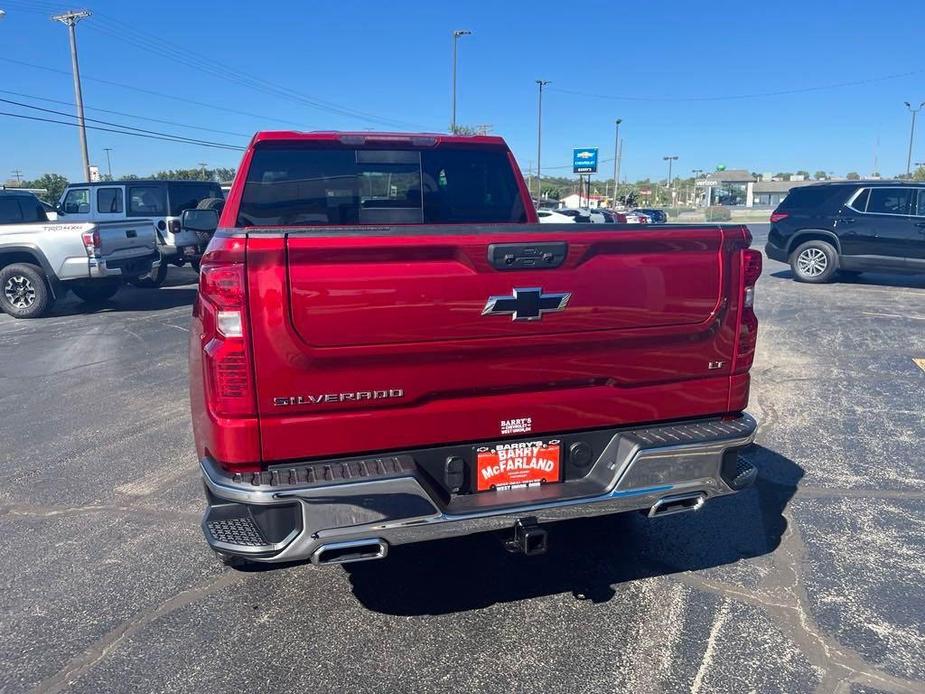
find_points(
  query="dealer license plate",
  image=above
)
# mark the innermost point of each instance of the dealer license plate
(517, 464)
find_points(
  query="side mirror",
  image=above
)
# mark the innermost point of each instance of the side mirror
(199, 220)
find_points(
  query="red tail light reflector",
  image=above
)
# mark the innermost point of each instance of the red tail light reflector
(778, 216)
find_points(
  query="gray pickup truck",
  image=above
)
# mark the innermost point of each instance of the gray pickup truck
(40, 260)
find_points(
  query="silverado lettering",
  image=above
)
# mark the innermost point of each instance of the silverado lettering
(348, 259)
(339, 397)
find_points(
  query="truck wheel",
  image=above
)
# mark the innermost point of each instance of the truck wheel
(153, 279)
(815, 262)
(24, 292)
(96, 292)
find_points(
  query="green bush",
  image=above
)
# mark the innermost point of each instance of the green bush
(718, 213)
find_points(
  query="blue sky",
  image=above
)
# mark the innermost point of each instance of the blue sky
(662, 64)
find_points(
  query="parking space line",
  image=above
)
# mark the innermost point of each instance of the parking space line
(891, 315)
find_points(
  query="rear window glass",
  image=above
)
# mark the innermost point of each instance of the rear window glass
(146, 201)
(890, 201)
(16, 209)
(812, 197)
(186, 196)
(303, 186)
(109, 200)
(860, 202)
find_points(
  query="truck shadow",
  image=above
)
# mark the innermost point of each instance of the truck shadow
(128, 299)
(588, 558)
(877, 279)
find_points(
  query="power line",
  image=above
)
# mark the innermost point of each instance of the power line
(734, 97)
(113, 130)
(121, 125)
(164, 48)
(154, 93)
(122, 113)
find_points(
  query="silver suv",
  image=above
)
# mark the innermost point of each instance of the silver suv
(161, 201)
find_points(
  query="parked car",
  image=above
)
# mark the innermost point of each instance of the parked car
(637, 217)
(161, 201)
(614, 217)
(849, 227)
(40, 260)
(554, 217)
(576, 215)
(447, 365)
(654, 215)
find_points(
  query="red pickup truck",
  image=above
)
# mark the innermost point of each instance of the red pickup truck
(387, 348)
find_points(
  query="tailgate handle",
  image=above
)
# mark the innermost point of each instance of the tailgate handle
(131, 234)
(527, 256)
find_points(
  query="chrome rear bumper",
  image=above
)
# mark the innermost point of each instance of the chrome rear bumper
(355, 510)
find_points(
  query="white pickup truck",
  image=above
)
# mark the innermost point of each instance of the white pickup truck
(40, 260)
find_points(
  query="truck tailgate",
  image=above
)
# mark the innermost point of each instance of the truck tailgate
(375, 341)
(126, 239)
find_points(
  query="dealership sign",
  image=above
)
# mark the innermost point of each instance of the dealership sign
(584, 160)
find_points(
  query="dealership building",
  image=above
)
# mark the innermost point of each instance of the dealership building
(738, 187)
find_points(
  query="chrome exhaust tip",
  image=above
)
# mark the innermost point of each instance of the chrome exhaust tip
(677, 504)
(348, 552)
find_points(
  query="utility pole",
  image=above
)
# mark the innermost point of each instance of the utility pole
(70, 19)
(913, 111)
(18, 174)
(202, 169)
(539, 139)
(670, 159)
(108, 161)
(456, 34)
(616, 161)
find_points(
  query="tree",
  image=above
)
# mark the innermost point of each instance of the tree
(819, 175)
(919, 174)
(783, 175)
(804, 174)
(853, 176)
(53, 183)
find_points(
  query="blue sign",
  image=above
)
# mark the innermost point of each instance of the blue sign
(584, 160)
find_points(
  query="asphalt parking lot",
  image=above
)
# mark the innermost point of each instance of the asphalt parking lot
(814, 580)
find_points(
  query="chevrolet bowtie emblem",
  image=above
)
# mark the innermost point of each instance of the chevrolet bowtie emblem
(526, 304)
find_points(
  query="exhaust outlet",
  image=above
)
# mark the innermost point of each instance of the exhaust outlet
(347, 552)
(677, 504)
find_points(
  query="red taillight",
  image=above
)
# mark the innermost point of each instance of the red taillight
(93, 244)
(747, 332)
(222, 308)
(778, 216)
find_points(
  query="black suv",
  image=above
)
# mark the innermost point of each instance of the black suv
(850, 227)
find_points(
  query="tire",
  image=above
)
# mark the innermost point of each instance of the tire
(216, 204)
(815, 262)
(24, 291)
(96, 292)
(153, 279)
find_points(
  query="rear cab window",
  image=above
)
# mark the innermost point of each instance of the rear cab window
(21, 209)
(146, 201)
(313, 184)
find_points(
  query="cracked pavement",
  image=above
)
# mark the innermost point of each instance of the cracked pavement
(812, 581)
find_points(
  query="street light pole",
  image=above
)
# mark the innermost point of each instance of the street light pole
(539, 139)
(70, 19)
(108, 161)
(616, 160)
(913, 111)
(456, 34)
(670, 159)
